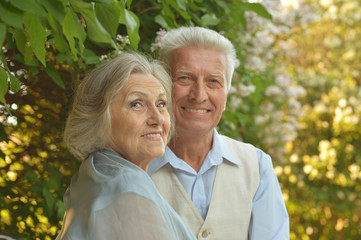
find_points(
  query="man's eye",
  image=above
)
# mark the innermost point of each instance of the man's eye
(215, 83)
(184, 78)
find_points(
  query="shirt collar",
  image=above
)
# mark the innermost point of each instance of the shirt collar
(215, 156)
(226, 153)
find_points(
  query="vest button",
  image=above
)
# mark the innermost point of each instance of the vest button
(204, 234)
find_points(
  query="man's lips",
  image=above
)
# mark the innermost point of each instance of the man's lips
(195, 110)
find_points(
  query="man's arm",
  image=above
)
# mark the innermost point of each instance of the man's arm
(269, 218)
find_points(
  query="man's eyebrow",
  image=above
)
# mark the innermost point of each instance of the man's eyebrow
(221, 75)
(184, 71)
(191, 72)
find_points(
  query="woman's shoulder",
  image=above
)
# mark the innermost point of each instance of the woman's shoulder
(109, 170)
(108, 164)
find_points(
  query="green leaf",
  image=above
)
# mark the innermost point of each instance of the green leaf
(131, 22)
(56, 8)
(31, 63)
(176, 6)
(129, 2)
(49, 199)
(55, 181)
(20, 39)
(14, 83)
(31, 6)
(33, 70)
(10, 15)
(65, 58)
(224, 6)
(2, 33)
(60, 209)
(182, 4)
(3, 135)
(28, 55)
(167, 11)
(37, 36)
(96, 31)
(238, 15)
(108, 15)
(209, 20)
(73, 29)
(31, 176)
(3, 84)
(54, 74)
(101, 1)
(36, 189)
(91, 57)
(59, 41)
(257, 8)
(161, 21)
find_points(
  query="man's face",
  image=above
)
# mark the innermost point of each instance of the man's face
(199, 88)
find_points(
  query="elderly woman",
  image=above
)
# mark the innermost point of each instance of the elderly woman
(119, 122)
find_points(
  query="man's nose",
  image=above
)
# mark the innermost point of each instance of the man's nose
(198, 92)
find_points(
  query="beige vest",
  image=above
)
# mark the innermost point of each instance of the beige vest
(230, 208)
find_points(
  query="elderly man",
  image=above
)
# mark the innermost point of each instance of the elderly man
(222, 188)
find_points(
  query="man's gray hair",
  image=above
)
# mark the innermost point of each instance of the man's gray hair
(202, 38)
(88, 126)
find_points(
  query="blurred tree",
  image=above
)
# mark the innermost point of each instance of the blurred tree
(323, 179)
(47, 48)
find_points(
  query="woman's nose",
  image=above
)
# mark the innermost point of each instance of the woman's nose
(154, 117)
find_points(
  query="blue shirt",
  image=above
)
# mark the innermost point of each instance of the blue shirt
(269, 215)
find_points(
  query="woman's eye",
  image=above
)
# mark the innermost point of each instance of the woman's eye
(136, 105)
(162, 104)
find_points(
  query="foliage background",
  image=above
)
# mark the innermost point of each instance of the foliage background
(296, 95)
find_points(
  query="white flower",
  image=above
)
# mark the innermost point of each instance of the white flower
(123, 39)
(283, 80)
(274, 91)
(245, 91)
(255, 63)
(296, 92)
(260, 120)
(156, 44)
(294, 105)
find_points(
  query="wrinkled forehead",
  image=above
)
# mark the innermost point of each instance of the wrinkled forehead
(139, 82)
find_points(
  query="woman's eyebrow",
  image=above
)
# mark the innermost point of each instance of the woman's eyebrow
(161, 94)
(138, 93)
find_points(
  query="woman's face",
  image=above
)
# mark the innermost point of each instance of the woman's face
(140, 120)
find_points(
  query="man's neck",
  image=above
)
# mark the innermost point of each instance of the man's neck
(192, 147)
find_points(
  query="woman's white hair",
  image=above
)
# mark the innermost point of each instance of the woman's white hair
(88, 126)
(198, 37)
